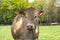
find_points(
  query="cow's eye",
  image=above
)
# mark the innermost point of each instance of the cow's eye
(35, 16)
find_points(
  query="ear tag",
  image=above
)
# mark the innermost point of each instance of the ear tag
(40, 14)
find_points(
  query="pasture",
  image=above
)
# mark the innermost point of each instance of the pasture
(46, 33)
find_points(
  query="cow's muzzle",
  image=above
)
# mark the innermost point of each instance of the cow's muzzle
(30, 27)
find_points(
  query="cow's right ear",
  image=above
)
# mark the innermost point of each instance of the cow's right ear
(40, 13)
(22, 13)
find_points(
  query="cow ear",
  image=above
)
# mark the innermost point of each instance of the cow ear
(40, 13)
(22, 13)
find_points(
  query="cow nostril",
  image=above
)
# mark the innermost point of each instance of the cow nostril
(31, 26)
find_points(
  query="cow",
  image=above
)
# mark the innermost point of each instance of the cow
(26, 27)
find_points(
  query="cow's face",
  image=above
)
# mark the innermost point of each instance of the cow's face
(31, 17)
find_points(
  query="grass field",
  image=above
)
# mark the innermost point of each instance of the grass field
(46, 33)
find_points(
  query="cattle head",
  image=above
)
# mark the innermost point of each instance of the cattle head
(26, 22)
(31, 16)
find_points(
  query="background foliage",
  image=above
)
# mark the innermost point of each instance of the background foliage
(10, 8)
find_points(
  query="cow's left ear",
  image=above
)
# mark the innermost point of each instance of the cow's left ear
(40, 13)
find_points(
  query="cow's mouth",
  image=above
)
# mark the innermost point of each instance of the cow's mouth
(30, 29)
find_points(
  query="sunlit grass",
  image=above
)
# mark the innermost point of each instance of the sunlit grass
(5, 33)
(49, 33)
(46, 33)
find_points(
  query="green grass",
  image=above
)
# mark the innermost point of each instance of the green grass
(46, 33)
(49, 33)
(5, 33)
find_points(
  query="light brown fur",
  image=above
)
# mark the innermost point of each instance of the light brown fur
(19, 26)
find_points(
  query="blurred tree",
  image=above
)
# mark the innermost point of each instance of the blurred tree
(10, 8)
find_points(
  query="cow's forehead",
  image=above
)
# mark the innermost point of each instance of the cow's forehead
(31, 11)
